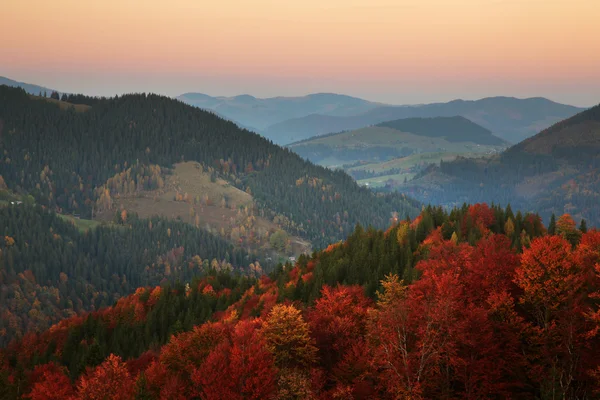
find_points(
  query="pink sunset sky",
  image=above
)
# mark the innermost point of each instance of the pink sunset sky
(397, 51)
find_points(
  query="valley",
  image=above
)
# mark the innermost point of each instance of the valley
(299, 200)
(395, 151)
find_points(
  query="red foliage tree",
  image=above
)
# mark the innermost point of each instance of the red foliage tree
(549, 277)
(482, 216)
(188, 350)
(110, 380)
(338, 322)
(50, 383)
(240, 367)
(441, 340)
(554, 294)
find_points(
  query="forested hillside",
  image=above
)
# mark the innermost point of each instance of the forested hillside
(555, 171)
(50, 270)
(63, 158)
(476, 303)
(453, 129)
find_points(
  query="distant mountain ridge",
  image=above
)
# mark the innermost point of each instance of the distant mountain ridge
(28, 87)
(509, 118)
(556, 171)
(285, 120)
(258, 113)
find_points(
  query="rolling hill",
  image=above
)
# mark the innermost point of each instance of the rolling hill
(86, 162)
(509, 118)
(556, 171)
(249, 111)
(397, 149)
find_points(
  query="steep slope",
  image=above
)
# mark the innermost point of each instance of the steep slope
(28, 87)
(391, 150)
(508, 118)
(64, 159)
(555, 171)
(250, 111)
(52, 267)
(574, 135)
(480, 301)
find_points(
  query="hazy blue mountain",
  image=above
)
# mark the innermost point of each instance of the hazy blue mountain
(453, 129)
(556, 171)
(509, 118)
(28, 87)
(399, 149)
(250, 111)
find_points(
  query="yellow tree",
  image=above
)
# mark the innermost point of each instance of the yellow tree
(509, 227)
(288, 337)
(566, 227)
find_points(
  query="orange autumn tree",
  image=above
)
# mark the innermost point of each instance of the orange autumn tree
(553, 281)
(110, 380)
(549, 277)
(52, 384)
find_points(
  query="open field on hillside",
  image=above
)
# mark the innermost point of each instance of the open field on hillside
(408, 166)
(81, 224)
(191, 196)
(63, 104)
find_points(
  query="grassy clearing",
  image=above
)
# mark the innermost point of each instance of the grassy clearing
(409, 166)
(191, 196)
(82, 224)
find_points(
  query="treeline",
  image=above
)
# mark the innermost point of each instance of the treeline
(61, 157)
(50, 270)
(369, 255)
(359, 174)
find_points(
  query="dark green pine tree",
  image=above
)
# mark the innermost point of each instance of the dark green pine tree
(583, 226)
(552, 225)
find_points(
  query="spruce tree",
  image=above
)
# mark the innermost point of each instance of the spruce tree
(552, 225)
(583, 226)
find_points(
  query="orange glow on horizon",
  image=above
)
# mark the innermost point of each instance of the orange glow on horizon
(450, 40)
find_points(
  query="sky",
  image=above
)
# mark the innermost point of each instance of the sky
(394, 51)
